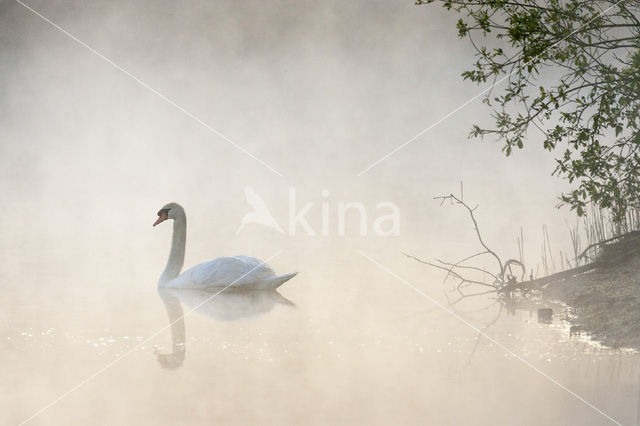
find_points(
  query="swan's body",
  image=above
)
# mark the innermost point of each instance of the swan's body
(238, 271)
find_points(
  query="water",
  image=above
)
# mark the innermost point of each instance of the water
(344, 343)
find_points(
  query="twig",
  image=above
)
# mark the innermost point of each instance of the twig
(456, 200)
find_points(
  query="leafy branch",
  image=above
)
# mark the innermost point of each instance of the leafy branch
(571, 72)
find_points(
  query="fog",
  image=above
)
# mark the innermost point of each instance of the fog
(316, 91)
(143, 103)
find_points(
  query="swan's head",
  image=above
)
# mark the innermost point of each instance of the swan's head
(170, 211)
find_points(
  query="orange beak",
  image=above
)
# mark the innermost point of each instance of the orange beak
(162, 216)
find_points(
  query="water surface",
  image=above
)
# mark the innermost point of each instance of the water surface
(344, 343)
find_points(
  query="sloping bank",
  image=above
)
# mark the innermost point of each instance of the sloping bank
(604, 295)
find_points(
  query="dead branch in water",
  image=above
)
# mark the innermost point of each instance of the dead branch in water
(455, 200)
(504, 278)
(463, 282)
(506, 282)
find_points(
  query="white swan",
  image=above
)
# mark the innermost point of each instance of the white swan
(238, 271)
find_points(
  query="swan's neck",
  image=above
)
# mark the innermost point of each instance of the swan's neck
(176, 256)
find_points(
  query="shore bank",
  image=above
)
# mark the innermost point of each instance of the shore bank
(605, 301)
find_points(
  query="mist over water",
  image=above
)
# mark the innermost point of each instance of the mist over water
(318, 92)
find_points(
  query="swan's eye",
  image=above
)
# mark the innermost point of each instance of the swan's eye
(164, 212)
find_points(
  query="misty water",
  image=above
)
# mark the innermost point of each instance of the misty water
(344, 342)
(318, 92)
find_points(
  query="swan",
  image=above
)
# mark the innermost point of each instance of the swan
(242, 272)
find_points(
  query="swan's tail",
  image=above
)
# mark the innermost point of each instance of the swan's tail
(277, 281)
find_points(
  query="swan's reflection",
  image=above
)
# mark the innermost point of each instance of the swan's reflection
(228, 305)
